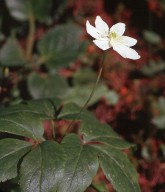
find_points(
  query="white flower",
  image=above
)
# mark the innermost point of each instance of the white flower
(106, 38)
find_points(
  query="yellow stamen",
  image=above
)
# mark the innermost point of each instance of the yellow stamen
(112, 35)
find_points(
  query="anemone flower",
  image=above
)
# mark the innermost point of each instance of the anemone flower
(106, 38)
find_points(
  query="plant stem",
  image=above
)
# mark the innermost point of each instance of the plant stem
(91, 95)
(93, 90)
(30, 38)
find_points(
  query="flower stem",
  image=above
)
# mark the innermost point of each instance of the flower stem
(90, 96)
(30, 38)
(93, 90)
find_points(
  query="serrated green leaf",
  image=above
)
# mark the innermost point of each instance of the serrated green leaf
(11, 151)
(118, 143)
(42, 169)
(26, 119)
(46, 86)
(118, 169)
(81, 165)
(22, 10)
(91, 128)
(60, 46)
(11, 54)
(94, 131)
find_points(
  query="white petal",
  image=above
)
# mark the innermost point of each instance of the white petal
(91, 30)
(118, 28)
(101, 26)
(102, 44)
(126, 52)
(128, 41)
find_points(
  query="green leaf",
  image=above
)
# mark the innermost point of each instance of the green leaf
(18, 9)
(118, 169)
(22, 10)
(61, 8)
(153, 68)
(11, 151)
(80, 94)
(46, 86)
(42, 169)
(11, 54)
(117, 143)
(69, 111)
(60, 46)
(112, 97)
(84, 76)
(162, 1)
(146, 153)
(91, 128)
(159, 106)
(84, 81)
(27, 119)
(80, 167)
(94, 131)
(41, 9)
(162, 147)
(100, 187)
(151, 37)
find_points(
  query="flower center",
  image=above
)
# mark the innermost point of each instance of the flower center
(112, 35)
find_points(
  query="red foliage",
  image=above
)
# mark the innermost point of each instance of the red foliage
(87, 8)
(152, 172)
(157, 7)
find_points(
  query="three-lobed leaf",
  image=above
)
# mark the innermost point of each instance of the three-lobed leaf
(91, 129)
(116, 166)
(71, 165)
